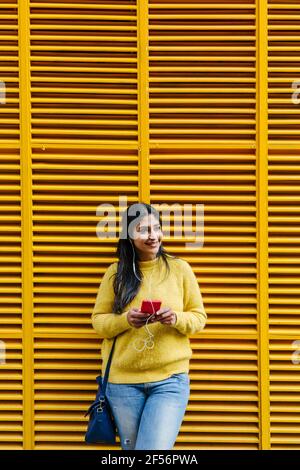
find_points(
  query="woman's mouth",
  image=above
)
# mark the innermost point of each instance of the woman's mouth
(152, 244)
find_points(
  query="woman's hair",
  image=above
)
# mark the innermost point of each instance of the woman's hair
(128, 277)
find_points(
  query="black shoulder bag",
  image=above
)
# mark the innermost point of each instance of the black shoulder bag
(101, 426)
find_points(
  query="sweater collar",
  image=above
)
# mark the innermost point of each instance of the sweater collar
(145, 265)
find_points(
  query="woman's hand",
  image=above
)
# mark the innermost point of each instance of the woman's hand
(165, 316)
(136, 318)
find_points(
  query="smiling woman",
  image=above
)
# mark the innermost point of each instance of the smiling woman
(148, 388)
(140, 241)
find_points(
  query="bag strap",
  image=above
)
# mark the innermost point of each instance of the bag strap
(104, 383)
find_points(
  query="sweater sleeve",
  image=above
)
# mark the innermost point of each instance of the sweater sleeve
(106, 324)
(193, 319)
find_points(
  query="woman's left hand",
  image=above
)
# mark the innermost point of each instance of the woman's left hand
(165, 316)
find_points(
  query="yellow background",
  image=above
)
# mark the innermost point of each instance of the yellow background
(164, 102)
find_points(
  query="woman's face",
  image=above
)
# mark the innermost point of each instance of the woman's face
(147, 237)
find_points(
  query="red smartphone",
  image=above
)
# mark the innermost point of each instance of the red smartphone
(150, 306)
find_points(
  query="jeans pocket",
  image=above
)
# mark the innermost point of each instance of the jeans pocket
(182, 377)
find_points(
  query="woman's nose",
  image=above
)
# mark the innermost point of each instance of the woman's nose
(152, 235)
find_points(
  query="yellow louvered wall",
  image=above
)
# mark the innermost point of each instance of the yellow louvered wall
(161, 101)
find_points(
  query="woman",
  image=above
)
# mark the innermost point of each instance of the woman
(148, 387)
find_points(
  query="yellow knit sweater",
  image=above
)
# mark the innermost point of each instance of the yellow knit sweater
(172, 351)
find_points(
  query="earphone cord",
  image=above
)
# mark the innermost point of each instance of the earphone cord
(148, 342)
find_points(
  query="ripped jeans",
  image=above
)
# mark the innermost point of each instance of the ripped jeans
(149, 415)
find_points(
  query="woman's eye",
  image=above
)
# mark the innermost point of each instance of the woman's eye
(145, 229)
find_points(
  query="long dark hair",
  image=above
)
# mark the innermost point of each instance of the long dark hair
(126, 283)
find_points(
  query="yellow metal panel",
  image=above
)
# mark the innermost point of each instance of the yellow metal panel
(11, 347)
(284, 211)
(202, 139)
(85, 138)
(68, 185)
(194, 72)
(84, 73)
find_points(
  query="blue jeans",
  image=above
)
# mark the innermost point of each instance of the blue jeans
(149, 415)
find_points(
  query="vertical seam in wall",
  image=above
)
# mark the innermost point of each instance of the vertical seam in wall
(262, 219)
(143, 101)
(26, 221)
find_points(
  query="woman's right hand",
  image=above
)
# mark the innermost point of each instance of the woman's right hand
(136, 318)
